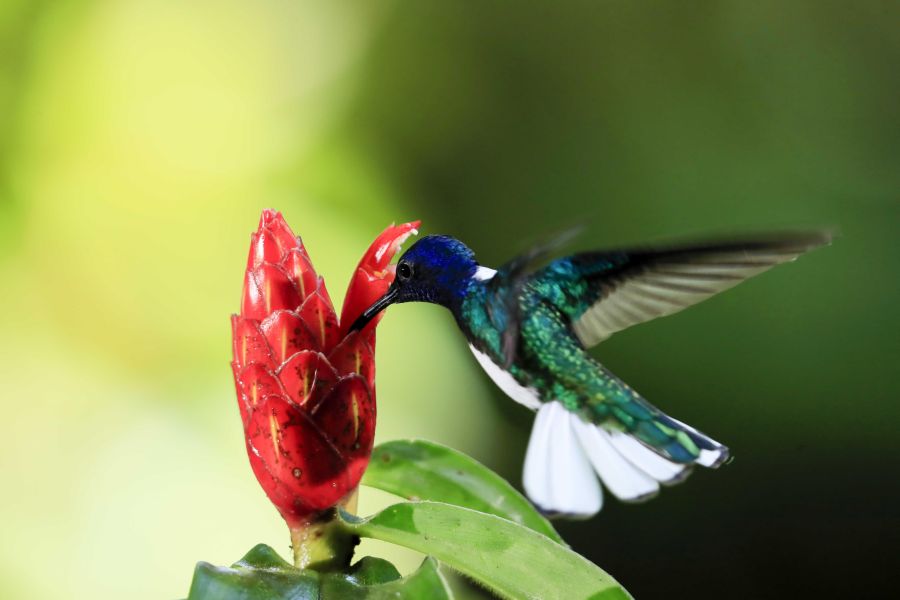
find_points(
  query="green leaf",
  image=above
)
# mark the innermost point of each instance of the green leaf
(510, 559)
(426, 583)
(420, 470)
(260, 575)
(263, 575)
(370, 570)
(262, 556)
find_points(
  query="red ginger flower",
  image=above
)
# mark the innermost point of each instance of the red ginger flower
(305, 386)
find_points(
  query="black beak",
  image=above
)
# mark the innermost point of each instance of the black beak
(371, 312)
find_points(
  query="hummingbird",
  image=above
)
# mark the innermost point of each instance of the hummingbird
(530, 326)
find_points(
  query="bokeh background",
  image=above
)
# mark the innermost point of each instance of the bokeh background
(140, 139)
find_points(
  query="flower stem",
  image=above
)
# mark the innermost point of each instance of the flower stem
(323, 543)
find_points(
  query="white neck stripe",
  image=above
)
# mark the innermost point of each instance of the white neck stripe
(483, 273)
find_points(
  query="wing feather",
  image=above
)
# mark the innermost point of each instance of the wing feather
(635, 286)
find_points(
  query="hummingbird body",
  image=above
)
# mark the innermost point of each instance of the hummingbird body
(530, 330)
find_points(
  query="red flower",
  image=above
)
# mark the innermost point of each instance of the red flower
(306, 389)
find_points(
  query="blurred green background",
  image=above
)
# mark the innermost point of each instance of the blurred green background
(140, 139)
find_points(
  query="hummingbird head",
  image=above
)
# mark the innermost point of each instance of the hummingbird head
(435, 269)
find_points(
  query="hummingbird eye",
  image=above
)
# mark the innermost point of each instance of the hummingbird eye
(404, 271)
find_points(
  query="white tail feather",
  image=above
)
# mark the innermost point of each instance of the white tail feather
(558, 477)
(622, 478)
(663, 470)
(707, 458)
(566, 455)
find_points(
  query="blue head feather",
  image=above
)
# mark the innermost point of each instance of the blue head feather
(437, 268)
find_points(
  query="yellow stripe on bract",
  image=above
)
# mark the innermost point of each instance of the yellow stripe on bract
(355, 406)
(273, 430)
(358, 361)
(299, 276)
(284, 341)
(254, 395)
(305, 380)
(268, 296)
(322, 326)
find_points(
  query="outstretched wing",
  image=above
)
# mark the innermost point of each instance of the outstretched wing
(605, 292)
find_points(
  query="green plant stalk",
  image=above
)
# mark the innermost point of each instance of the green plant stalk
(322, 543)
